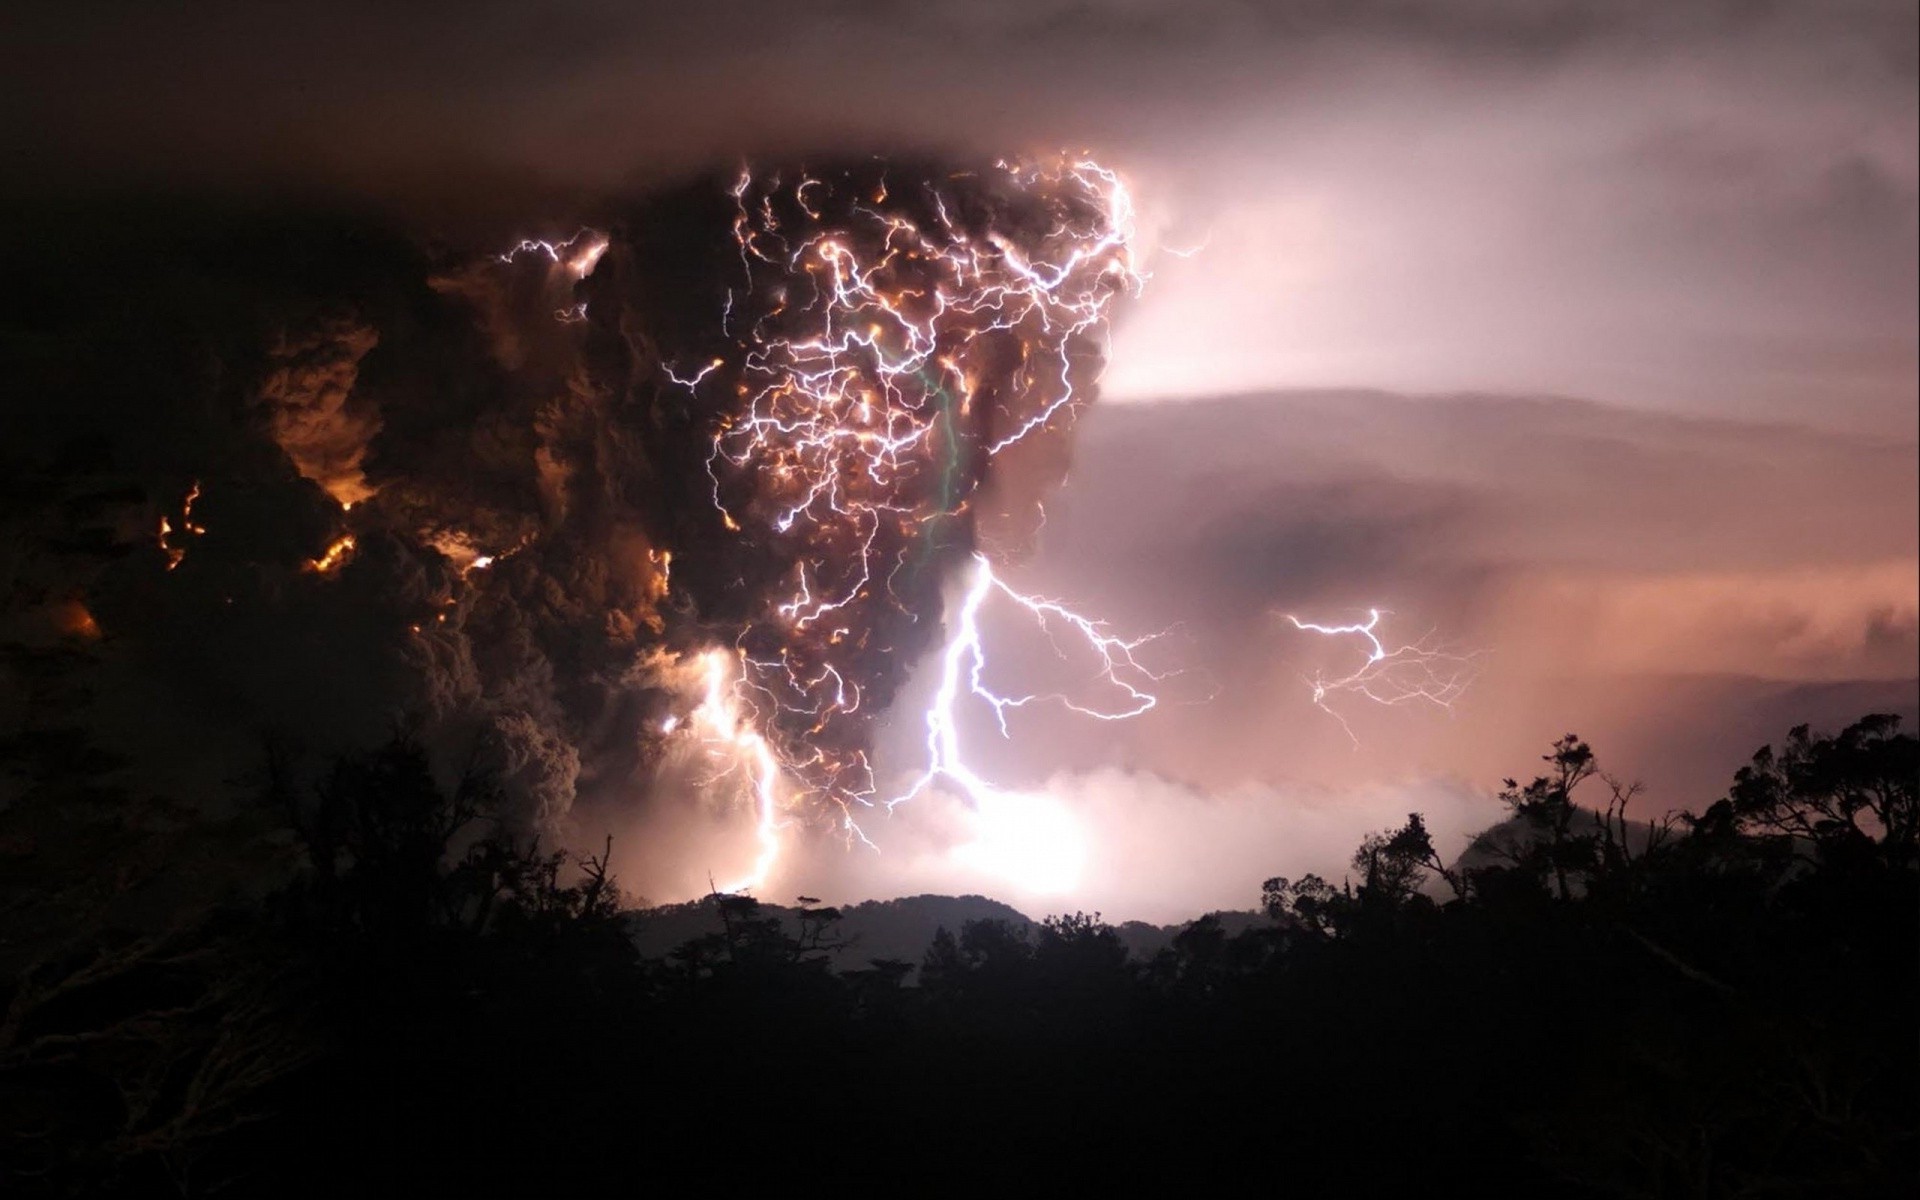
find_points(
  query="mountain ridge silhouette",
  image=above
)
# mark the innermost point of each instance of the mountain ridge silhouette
(900, 929)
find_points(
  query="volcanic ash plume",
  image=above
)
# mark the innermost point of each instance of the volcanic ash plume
(696, 481)
(889, 351)
(309, 405)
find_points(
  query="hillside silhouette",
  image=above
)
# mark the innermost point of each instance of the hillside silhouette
(1710, 1003)
(900, 929)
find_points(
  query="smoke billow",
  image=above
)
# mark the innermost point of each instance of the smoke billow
(877, 347)
(310, 406)
(510, 498)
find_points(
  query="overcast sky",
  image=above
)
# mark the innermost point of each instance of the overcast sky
(1698, 206)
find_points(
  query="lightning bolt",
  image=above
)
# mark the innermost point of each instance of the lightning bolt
(869, 335)
(963, 664)
(719, 720)
(1416, 672)
(577, 256)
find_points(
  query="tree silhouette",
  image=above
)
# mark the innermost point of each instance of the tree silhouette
(1851, 794)
(1717, 1004)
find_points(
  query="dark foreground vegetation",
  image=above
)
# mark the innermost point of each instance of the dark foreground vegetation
(1719, 1004)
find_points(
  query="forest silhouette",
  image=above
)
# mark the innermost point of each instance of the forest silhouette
(1587, 1003)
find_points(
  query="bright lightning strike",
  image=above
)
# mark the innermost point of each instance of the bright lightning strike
(1416, 672)
(1022, 838)
(718, 720)
(889, 345)
(964, 662)
(579, 254)
(577, 257)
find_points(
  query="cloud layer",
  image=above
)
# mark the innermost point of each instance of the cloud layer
(1706, 206)
(1677, 590)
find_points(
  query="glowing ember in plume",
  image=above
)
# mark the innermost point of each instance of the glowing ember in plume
(73, 619)
(1416, 672)
(464, 552)
(339, 552)
(169, 534)
(174, 553)
(308, 402)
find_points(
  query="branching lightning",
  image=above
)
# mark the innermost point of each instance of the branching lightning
(577, 256)
(1416, 672)
(886, 352)
(719, 719)
(964, 661)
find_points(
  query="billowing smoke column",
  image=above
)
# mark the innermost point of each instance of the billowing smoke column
(885, 343)
(700, 479)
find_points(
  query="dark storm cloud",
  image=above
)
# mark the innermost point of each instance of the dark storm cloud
(597, 89)
(272, 367)
(1702, 206)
